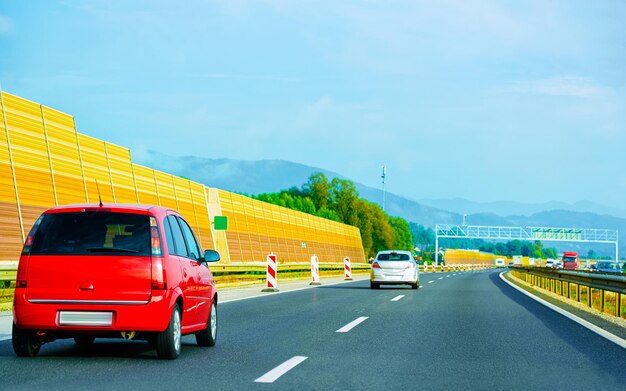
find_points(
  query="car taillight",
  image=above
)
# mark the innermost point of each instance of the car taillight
(31, 236)
(158, 274)
(155, 238)
(410, 265)
(20, 284)
(375, 265)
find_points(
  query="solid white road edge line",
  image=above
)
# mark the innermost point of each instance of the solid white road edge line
(280, 370)
(397, 298)
(351, 325)
(601, 332)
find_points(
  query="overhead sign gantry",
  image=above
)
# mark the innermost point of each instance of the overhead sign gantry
(588, 235)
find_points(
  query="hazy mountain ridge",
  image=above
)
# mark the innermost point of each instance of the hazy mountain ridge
(508, 208)
(264, 176)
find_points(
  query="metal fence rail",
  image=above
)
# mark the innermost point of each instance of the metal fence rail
(603, 292)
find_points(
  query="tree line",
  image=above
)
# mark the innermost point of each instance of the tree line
(339, 200)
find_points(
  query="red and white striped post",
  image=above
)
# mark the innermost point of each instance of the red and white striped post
(315, 271)
(271, 279)
(347, 268)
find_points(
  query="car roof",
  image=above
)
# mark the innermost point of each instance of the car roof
(394, 251)
(132, 208)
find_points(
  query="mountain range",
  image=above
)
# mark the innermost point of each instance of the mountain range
(266, 176)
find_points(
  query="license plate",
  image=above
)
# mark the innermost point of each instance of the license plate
(85, 318)
(394, 278)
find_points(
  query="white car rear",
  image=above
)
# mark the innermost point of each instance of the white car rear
(394, 267)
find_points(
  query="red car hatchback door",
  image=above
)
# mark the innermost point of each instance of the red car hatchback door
(91, 256)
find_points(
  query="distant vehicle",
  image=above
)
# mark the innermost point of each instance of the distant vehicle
(553, 263)
(608, 267)
(125, 271)
(570, 260)
(511, 264)
(517, 260)
(394, 267)
(500, 262)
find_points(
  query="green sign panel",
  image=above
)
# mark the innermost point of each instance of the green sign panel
(556, 234)
(220, 223)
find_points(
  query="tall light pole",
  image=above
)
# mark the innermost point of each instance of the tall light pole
(384, 168)
(464, 216)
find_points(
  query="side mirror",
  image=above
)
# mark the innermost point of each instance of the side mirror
(211, 256)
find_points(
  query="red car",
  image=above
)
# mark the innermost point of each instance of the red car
(129, 271)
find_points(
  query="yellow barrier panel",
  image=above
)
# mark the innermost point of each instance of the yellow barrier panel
(45, 162)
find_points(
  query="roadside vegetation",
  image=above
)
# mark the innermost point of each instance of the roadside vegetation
(339, 200)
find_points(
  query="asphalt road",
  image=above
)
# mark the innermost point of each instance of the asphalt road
(466, 331)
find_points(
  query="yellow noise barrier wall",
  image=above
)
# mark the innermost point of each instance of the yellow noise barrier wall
(467, 257)
(45, 162)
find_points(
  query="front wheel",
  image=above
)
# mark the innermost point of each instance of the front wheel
(25, 343)
(168, 342)
(208, 336)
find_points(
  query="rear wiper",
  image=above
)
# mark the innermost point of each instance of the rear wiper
(111, 250)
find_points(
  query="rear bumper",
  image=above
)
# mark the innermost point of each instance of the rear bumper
(380, 277)
(153, 316)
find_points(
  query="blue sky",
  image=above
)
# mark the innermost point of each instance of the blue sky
(485, 100)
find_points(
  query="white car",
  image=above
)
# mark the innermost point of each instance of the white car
(394, 267)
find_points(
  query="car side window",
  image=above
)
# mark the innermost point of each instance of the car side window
(177, 235)
(192, 243)
(169, 238)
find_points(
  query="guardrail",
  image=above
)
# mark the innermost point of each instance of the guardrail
(603, 292)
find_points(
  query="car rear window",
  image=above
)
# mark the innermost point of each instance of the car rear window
(393, 257)
(93, 233)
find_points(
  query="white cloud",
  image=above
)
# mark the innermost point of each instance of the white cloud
(573, 86)
(6, 25)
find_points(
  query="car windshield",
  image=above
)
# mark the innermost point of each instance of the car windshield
(393, 257)
(92, 233)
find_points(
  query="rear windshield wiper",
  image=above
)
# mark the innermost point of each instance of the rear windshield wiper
(111, 250)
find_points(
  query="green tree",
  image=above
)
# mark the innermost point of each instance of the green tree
(402, 234)
(344, 197)
(318, 189)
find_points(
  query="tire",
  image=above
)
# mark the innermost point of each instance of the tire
(208, 336)
(25, 343)
(374, 285)
(415, 286)
(168, 342)
(84, 340)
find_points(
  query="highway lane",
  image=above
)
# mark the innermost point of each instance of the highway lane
(463, 331)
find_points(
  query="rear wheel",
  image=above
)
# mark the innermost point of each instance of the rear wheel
(25, 343)
(374, 285)
(208, 336)
(415, 286)
(168, 342)
(84, 340)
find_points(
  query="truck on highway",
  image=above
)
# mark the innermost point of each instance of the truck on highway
(570, 260)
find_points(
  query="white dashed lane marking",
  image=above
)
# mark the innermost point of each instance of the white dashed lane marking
(352, 325)
(280, 370)
(397, 298)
